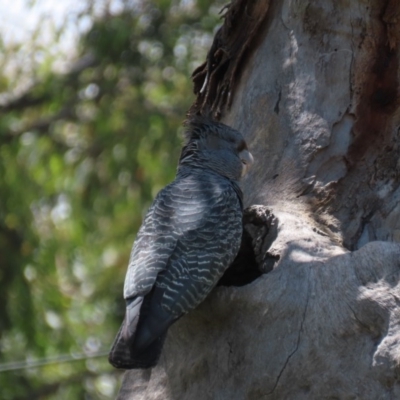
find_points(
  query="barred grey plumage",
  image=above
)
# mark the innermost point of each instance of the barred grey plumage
(190, 235)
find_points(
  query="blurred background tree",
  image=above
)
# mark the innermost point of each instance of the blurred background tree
(84, 147)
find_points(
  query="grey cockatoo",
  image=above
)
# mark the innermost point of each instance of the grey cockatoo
(189, 237)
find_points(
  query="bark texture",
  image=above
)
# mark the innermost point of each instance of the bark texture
(315, 90)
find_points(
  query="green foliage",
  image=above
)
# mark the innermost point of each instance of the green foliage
(82, 154)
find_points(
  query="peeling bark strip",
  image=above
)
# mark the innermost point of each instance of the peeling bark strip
(372, 157)
(215, 80)
(392, 20)
(379, 97)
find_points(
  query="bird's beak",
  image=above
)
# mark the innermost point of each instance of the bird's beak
(247, 161)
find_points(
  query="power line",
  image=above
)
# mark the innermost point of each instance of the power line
(62, 358)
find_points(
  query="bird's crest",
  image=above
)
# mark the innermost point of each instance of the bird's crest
(198, 126)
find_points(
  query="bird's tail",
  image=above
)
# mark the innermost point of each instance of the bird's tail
(126, 353)
(121, 355)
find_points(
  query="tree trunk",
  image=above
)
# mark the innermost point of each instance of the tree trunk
(313, 85)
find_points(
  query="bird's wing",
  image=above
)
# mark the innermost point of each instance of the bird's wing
(186, 212)
(211, 240)
(207, 226)
(154, 244)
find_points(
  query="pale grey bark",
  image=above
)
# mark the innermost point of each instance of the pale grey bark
(317, 100)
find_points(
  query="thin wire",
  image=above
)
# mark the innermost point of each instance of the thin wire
(63, 358)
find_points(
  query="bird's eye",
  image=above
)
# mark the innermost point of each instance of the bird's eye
(242, 146)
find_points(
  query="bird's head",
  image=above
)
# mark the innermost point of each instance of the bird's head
(216, 146)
